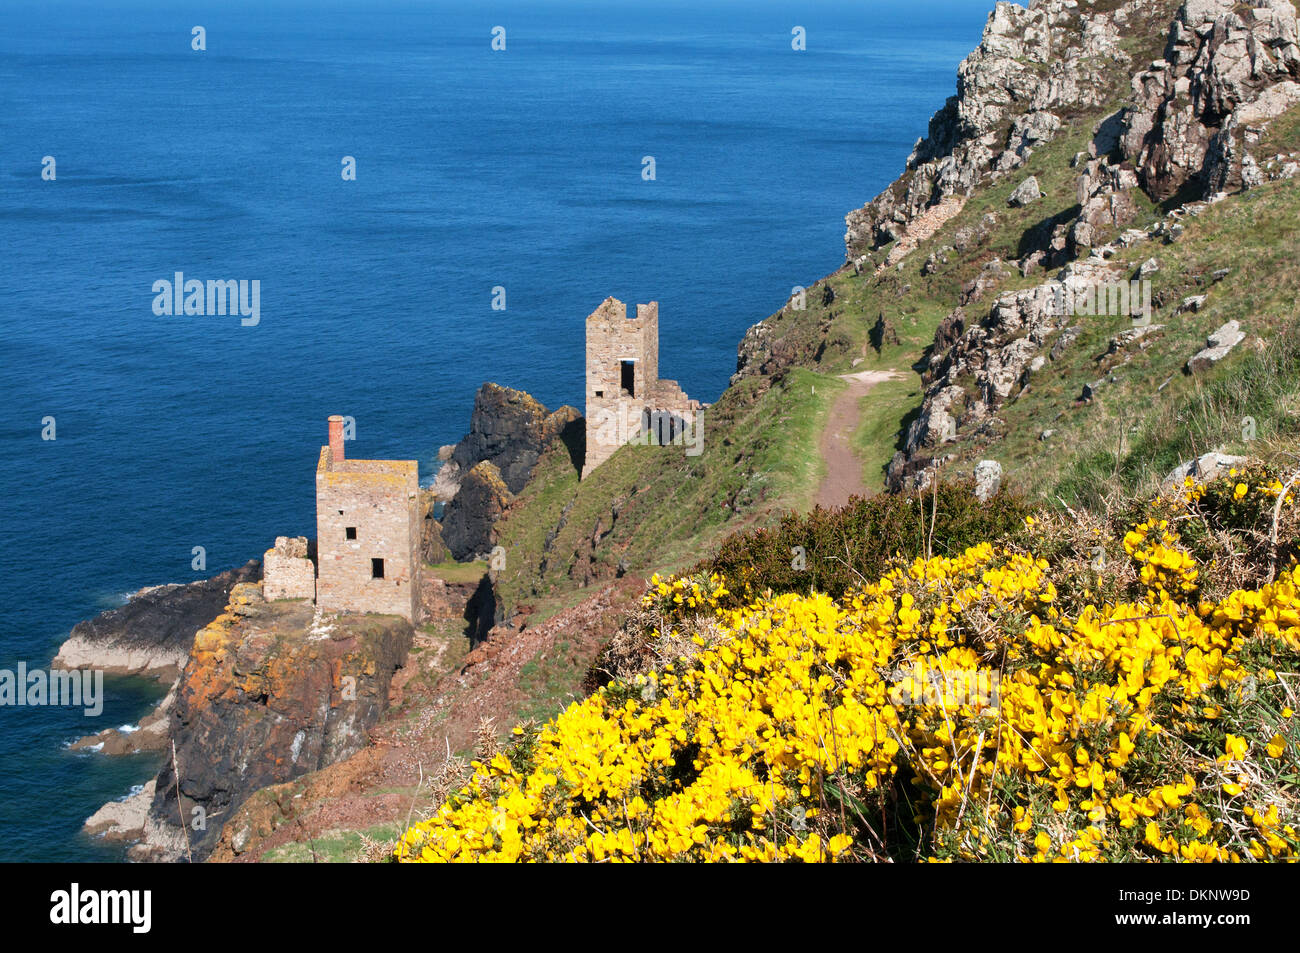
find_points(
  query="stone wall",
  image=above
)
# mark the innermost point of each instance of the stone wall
(368, 510)
(287, 573)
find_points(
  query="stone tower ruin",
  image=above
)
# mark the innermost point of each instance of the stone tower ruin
(367, 532)
(625, 397)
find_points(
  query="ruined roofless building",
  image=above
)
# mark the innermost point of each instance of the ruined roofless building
(624, 392)
(367, 532)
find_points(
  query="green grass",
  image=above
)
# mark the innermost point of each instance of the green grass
(551, 680)
(333, 847)
(1254, 235)
(452, 571)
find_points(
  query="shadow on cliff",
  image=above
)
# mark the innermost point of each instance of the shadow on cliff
(1039, 237)
(574, 438)
(482, 611)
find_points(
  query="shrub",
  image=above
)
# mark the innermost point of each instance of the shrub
(833, 551)
(957, 707)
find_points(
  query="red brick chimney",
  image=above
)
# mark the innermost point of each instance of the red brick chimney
(336, 438)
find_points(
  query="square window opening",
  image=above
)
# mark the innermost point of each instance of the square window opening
(350, 532)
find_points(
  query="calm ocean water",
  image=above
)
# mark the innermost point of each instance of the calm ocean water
(475, 169)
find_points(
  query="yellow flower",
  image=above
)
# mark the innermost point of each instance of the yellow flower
(1235, 747)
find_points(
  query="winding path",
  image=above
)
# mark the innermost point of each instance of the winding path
(843, 469)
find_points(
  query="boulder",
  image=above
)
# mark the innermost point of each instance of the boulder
(1206, 467)
(988, 478)
(509, 429)
(1217, 346)
(1026, 193)
(469, 520)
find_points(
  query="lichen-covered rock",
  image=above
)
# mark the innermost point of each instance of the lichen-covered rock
(1206, 467)
(1217, 346)
(1227, 67)
(1050, 57)
(1026, 193)
(974, 368)
(988, 478)
(272, 691)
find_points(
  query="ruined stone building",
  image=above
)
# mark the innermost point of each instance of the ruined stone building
(626, 399)
(367, 538)
(287, 570)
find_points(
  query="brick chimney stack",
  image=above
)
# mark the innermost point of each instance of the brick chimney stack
(336, 438)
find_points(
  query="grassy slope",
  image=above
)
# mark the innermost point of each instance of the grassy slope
(655, 508)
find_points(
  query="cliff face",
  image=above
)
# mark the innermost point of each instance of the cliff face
(1184, 129)
(509, 429)
(468, 520)
(1196, 112)
(1035, 66)
(1182, 135)
(272, 691)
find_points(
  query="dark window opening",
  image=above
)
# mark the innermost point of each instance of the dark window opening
(600, 393)
(376, 569)
(340, 512)
(628, 376)
(350, 532)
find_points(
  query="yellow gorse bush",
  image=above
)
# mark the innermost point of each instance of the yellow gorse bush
(952, 709)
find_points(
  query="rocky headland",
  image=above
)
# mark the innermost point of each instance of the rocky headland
(261, 693)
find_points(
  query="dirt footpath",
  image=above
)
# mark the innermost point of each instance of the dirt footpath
(843, 469)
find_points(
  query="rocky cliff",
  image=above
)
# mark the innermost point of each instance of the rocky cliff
(272, 691)
(481, 474)
(1181, 135)
(1035, 67)
(268, 692)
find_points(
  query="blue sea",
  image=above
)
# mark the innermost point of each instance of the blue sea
(519, 169)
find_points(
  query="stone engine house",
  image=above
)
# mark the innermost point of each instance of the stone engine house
(367, 538)
(626, 399)
(367, 532)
